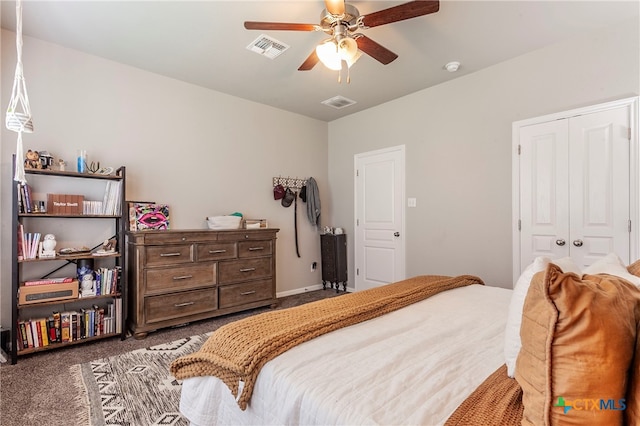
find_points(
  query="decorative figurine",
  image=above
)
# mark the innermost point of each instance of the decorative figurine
(85, 276)
(46, 159)
(48, 247)
(32, 160)
(86, 286)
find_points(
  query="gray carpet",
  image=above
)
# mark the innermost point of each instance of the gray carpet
(41, 388)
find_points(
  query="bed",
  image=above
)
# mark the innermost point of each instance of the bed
(437, 361)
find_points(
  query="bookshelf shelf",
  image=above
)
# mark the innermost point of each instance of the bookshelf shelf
(70, 258)
(63, 318)
(64, 344)
(70, 300)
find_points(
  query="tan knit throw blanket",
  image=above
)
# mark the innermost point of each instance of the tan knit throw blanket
(236, 352)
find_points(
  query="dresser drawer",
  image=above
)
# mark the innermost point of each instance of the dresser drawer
(239, 294)
(180, 278)
(169, 255)
(216, 251)
(179, 237)
(247, 234)
(246, 269)
(254, 248)
(178, 305)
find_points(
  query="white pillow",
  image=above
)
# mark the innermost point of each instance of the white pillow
(567, 265)
(612, 264)
(512, 342)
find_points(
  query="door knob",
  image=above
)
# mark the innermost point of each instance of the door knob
(577, 243)
(560, 242)
(396, 234)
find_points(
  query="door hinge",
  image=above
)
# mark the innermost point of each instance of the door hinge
(357, 222)
(358, 271)
(519, 148)
(357, 172)
(519, 225)
(629, 225)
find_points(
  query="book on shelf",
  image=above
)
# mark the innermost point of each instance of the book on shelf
(48, 281)
(20, 241)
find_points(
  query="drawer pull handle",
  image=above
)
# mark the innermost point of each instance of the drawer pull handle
(182, 277)
(181, 305)
(255, 248)
(247, 269)
(217, 251)
(169, 254)
(246, 293)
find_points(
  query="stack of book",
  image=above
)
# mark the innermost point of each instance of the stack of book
(111, 204)
(28, 243)
(69, 326)
(107, 280)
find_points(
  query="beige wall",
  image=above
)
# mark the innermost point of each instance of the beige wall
(202, 152)
(458, 147)
(207, 153)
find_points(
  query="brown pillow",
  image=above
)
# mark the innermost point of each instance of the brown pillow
(578, 341)
(632, 414)
(634, 268)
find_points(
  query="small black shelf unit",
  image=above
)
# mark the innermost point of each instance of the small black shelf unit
(333, 249)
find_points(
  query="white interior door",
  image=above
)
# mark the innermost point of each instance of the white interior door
(575, 186)
(544, 191)
(599, 176)
(379, 217)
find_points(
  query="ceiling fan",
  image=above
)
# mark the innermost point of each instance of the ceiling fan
(342, 21)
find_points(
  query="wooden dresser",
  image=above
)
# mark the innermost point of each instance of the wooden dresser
(179, 276)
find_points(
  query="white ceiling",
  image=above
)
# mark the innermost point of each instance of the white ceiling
(204, 43)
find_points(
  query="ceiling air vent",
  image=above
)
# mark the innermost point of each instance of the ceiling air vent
(267, 46)
(338, 102)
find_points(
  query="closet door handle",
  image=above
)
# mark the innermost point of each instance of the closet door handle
(577, 243)
(560, 242)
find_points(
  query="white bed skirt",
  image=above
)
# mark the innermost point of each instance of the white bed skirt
(412, 367)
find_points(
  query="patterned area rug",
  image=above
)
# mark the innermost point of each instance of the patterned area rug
(136, 388)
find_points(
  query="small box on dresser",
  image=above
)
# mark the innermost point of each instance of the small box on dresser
(179, 276)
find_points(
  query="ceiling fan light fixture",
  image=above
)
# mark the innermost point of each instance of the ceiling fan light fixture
(347, 48)
(327, 52)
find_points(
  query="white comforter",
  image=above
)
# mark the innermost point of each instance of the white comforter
(412, 366)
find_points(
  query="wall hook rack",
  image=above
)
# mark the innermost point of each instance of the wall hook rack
(289, 182)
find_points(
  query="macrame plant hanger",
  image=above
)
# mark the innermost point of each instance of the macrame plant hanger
(18, 117)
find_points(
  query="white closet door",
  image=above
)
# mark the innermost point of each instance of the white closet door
(544, 191)
(599, 179)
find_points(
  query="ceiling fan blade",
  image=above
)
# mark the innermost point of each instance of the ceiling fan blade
(279, 26)
(375, 50)
(310, 62)
(401, 12)
(335, 7)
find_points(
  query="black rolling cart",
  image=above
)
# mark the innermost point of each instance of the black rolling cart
(333, 249)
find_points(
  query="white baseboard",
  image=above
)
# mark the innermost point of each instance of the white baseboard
(306, 289)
